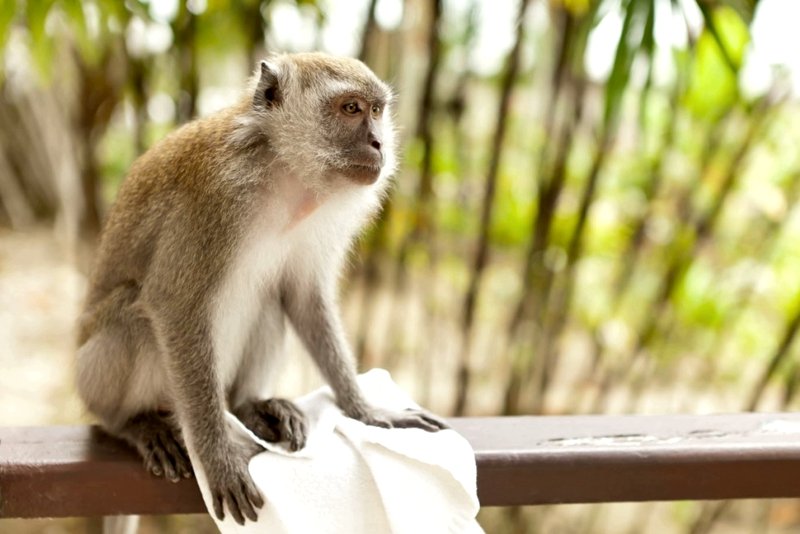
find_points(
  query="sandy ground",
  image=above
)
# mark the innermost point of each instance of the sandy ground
(40, 295)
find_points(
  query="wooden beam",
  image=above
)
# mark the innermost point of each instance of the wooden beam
(79, 471)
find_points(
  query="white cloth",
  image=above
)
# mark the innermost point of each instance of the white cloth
(352, 478)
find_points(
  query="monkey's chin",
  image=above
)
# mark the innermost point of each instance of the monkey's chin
(361, 174)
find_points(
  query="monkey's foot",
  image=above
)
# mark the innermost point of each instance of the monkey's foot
(275, 420)
(159, 441)
(405, 419)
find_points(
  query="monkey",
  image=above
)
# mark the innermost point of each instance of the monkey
(223, 233)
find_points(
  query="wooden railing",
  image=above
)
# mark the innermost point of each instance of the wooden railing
(79, 471)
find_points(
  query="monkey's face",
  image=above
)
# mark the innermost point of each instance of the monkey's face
(327, 118)
(355, 133)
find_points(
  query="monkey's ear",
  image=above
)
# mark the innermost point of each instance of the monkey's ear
(268, 93)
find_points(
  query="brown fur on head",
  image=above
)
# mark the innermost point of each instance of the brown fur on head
(327, 119)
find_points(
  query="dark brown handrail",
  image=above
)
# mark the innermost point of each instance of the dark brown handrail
(79, 471)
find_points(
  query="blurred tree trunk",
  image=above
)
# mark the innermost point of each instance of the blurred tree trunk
(422, 222)
(699, 232)
(674, 256)
(101, 90)
(255, 26)
(373, 248)
(481, 257)
(376, 245)
(184, 28)
(765, 241)
(637, 15)
(368, 31)
(658, 168)
(137, 74)
(50, 162)
(535, 276)
(456, 105)
(777, 359)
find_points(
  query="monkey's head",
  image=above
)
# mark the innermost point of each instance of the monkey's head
(327, 118)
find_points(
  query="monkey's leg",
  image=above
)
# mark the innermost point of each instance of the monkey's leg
(275, 420)
(106, 358)
(119, 378)
(158, 439)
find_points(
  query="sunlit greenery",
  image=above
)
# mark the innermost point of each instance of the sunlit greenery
(599, 241)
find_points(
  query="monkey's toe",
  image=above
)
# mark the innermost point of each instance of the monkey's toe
(159, 442)
(165, 456)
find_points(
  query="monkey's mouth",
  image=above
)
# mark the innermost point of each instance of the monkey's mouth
(361, 173)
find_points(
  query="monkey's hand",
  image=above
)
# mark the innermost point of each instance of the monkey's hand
(405, 419)
(230, 482)
(275, 420)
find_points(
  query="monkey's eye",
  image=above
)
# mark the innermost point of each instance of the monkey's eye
(376, 110)
(351, 108)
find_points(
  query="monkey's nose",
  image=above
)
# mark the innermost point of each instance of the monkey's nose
(376, 144)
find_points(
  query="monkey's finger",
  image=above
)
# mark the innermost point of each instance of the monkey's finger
(295, 412)
(285, 427)
(434, 420)
(415, 421)
(254, 495)
(247, 504)
(379, 422)
(233, 507)
(429, 418)
(264, 431)
(298, 434)
(297, 440)
(425, 425)
(243, 503)
(216, 501)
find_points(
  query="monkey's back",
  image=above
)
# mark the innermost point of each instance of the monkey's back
(178, 171)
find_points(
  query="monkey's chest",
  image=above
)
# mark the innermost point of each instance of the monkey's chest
(298, 247)
(249, 296)
(250, 288)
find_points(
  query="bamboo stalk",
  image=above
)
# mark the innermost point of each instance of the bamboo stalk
(422, 223)
(367, 31)
(481, 257)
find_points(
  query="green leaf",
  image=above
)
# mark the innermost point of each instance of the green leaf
(713, 85)
(637, 15)
(729, 32)
(74, 11)
(8, 10)
(41, 44)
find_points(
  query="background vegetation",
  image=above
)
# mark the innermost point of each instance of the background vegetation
(595, 211)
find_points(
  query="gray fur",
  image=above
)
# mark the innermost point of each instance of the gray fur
(219, 231)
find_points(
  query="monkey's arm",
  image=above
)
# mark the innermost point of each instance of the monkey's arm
(176, 298)
(315, 317)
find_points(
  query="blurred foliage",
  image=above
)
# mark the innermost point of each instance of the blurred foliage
(562, 238)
